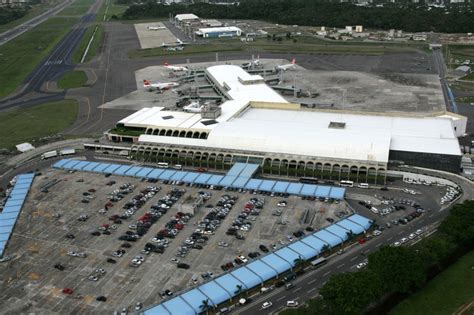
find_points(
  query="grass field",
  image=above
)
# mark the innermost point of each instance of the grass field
(78, 7)
(469, 77)
(458, 52)
(19, 56)
(72, 80)
(110, 8)
(34, 11)
(462, 86)
(465, 99)
(445, 294)
(302, 45)
(94, 48)
(35, 122)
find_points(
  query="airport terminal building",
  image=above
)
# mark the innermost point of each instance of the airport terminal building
(258, 125)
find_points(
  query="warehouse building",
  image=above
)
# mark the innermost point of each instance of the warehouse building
(216, 32)
(257, 125)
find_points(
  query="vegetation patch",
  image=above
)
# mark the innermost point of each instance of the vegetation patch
(93, 48)
(73, 79)
(19, 56)
(446, 293)
(35, 122)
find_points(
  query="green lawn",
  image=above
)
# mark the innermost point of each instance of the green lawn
(302, 45)
(445, 293)
(110, 8)
(34, 11)
(72, 80)
(78, 7)
(458, 52)
(19, 56)
(469, 77)
(94, 47)
(32, 123)
(465, 99)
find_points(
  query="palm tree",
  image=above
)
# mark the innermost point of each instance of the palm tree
(350, 235)
(325, 248)
(239, 289)
(205, 306)
(298, 262)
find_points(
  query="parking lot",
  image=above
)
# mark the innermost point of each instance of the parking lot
(67, 251)
(153, 35)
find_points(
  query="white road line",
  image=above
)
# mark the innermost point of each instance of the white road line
(353, 258)
(388, 239)
(296, 290)
(282, 298)
(311, 290)
(378, 245)
(341, 265)
(430, 216)
(401, 232)
(312, 281)
(326, 273)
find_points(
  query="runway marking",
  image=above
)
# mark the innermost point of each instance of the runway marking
(353, 258)
(283, 297)
(312, 281)
(311, 290)
(326, 273)
(340, 266)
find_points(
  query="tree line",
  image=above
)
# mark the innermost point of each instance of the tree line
(396, 270)
(8, 14)
(408, 17)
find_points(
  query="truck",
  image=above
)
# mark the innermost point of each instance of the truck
(48, 155)
(67, 152)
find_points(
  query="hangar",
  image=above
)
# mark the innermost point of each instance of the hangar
(257, 125)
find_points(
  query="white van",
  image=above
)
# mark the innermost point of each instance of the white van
(363, 185)
(178, 167)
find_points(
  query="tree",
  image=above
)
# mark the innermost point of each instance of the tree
(400, 269)
(460, 224)
(352, 292)
(350, 235)
(205, 306)
(298, 262)
(239, 289)
(325, 248)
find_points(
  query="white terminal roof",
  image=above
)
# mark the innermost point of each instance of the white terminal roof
(186, 16)
(366, 137)
(220, 29)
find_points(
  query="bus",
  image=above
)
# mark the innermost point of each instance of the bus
(163, 165)
(347, 183)
(318, 262)
(308, 180)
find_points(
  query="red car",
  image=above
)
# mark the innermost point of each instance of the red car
(68, 291)
(362, 241)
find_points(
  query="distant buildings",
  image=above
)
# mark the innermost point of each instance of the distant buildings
(11, 3)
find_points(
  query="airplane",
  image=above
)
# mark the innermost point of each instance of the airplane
(175, 68)
(287, 66)
(159, 86)
(194, 107)
(253, 63)
(155, 28)
(177, 43)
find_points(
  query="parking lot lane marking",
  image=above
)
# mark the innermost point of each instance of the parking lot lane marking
(312, 281)
(390, 238)
(283, 297)
(353, 258)
(311, 290)
(378, 245)
(430, 216)
(340, 266)
(324, 275)
(296, 298)
(401, 232)
(296, 290)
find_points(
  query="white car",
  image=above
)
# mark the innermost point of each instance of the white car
(419, 232)
(396, 244)
(404, 240)
(292, 303)
(412, 236)
(266, 305)
(361, 265)
(243, 258)
(376, 233)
